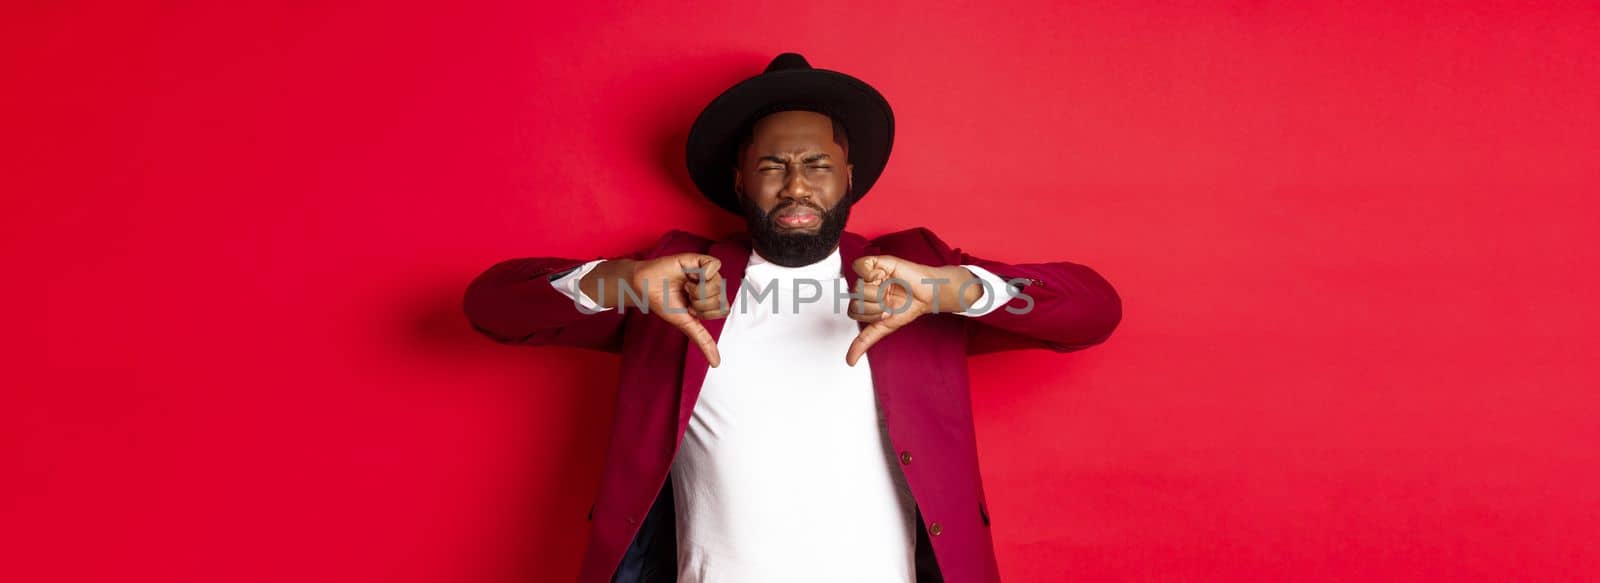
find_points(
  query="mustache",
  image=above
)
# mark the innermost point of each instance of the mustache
(777, 209)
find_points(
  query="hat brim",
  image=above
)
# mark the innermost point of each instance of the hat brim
(863, 111)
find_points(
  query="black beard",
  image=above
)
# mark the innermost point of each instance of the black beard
(794, 249)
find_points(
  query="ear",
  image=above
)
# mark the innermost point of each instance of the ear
(849, 177)
(738, 183)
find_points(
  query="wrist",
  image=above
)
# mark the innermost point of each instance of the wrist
(958, 295)
(616, 274)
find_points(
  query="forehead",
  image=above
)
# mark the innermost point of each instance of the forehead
(793, 130)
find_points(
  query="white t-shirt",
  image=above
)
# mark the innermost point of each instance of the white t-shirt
(785, 472)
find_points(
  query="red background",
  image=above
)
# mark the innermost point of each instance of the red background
(1356, 248)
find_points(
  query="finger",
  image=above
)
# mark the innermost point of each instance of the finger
(896, 299)
(701, 338)
(875, 267)
(714, 278)
(710, 304)
(699, 292)
(869, 318)
(708, 300)
(713, 304)
(868, 295)
(719, 289)
(713, 314)
(870, 335)
(708, 309)
(869, 290)
(865, 265)
(866, 311)
(891, 297)
(701, 267)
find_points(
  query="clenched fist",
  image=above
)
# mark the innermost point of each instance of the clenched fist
(896, 292)
(681, 289)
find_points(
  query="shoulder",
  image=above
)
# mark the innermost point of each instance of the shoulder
(918, 244)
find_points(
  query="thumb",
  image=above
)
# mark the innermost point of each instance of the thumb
(701, 337)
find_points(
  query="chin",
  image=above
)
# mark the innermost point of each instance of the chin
(796, 246)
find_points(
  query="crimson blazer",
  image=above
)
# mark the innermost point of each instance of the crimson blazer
(919, 374)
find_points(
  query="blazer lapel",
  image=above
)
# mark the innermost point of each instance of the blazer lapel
(851, 248)
(734, 253)
(879, 357)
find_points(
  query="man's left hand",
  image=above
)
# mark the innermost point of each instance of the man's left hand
(896, 292)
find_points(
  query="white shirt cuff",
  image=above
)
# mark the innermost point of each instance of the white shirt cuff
(568, 285)
(996, 292)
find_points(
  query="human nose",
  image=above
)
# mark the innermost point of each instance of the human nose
(796, 186)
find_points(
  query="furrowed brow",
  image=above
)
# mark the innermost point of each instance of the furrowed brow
(806, 160)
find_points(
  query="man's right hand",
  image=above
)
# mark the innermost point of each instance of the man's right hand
(681, 289)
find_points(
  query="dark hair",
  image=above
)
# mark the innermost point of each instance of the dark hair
(748, 134)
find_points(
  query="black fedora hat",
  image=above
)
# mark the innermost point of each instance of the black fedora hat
(789, 83)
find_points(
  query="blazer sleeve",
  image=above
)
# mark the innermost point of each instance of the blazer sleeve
(1062, 306)
(513, 302)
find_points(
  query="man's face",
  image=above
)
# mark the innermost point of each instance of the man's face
(793, 183)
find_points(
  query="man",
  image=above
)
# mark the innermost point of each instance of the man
(764, 432)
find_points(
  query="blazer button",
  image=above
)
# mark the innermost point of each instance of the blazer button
(935, 528)
(905, 458)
